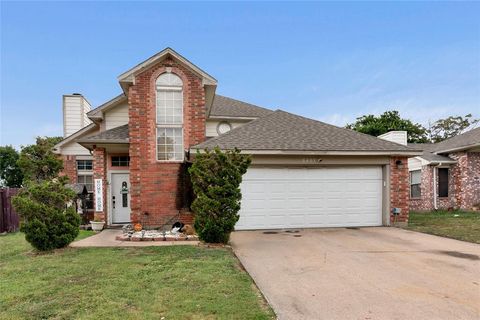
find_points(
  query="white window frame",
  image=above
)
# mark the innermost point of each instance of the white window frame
(83, 170)
(176, 87)
(86, 173)
(419, 184)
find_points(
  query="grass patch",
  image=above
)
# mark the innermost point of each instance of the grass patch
(175, 282)
(458, 225)
(84, 234)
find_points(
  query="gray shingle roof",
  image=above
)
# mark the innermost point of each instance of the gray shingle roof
(281, 130)
(464, 140)
(428, 152)
(115, 135)
(228, 107)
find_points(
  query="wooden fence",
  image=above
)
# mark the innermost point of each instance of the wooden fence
(9, 219)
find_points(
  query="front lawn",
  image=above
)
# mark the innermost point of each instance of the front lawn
(458, 225)
(84, 234)
(175, 282)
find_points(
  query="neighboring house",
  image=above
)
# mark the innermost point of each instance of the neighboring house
(134, 150)
(447, 174)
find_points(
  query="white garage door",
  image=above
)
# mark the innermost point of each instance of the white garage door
(275, 198)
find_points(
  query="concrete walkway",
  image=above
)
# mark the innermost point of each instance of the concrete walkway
(106, 238)
(365, 273)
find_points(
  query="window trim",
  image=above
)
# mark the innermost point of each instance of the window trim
(415, 184)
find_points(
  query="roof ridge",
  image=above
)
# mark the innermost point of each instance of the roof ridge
(100, 107)
(348, 130)
(282, 130)
(454, 138)
(251, 104)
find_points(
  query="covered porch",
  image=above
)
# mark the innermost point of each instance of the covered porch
(111, 175)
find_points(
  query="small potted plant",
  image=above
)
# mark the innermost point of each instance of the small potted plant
(97, 224)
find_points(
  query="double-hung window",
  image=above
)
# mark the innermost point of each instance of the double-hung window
(415, 183)
(169, 105)
(85, 178)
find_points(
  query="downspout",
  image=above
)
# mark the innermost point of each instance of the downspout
(435, 206)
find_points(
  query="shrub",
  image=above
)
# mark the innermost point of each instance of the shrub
(48, 224)
(216, 178)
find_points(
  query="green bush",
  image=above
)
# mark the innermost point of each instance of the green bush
(216, 178)
(48, 224)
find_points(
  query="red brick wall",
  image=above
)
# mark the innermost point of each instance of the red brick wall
(99, 172)
(425, 201)
(463, 189)
(399, 189)
(472, 189)
(69, 168)
(157, 187)
(466, 173)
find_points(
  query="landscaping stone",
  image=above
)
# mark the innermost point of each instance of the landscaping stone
(154, 235)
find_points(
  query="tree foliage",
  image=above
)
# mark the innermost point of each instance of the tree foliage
(443, 129)
(389, 121)
(216, 178)
(10, 173)
(38, 162)
(48, 223)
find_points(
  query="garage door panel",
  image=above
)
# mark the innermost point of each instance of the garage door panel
(311, 197)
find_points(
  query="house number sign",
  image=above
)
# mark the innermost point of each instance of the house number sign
(311, 160)
(98, 195)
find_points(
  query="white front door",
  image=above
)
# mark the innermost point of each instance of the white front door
(120, 198)
(276, 198)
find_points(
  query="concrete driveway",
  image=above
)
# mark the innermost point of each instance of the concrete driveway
(366, 273)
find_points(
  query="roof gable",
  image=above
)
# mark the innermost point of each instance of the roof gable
(80, 133)
(283, 131)
(128, 76)
(97, 113)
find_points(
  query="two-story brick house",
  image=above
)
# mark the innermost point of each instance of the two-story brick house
(133, 152)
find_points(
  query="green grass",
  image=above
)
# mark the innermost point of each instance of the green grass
(175, 282)
(458, 225)
(84, 234)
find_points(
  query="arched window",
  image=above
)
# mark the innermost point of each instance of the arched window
(169, 104)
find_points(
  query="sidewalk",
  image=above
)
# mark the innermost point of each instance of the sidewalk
(106, 238)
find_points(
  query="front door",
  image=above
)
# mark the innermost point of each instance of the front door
(120, 198)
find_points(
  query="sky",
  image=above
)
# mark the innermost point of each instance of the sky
(330, 61)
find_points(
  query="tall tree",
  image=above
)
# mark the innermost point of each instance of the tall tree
(38, 162)
(443, 129)
(389, 121)
(10, 173)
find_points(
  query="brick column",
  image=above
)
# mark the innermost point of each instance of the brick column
(399, 189)
(100, 172)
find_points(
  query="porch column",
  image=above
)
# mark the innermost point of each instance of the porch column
(399, 190)
(100, 172)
